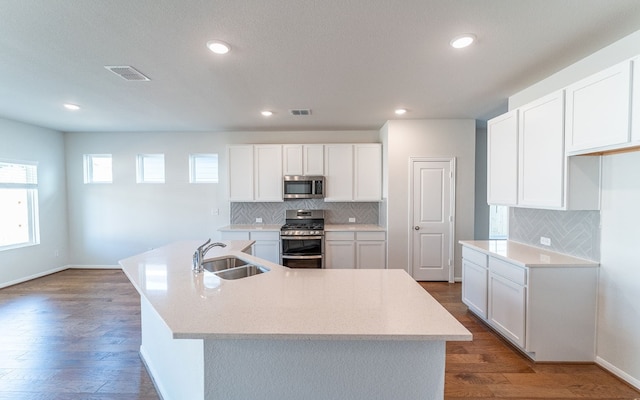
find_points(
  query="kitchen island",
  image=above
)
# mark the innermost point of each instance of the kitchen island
(286, 333)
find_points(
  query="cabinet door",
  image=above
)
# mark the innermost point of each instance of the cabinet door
(313, 159)
(598, 110)
(267, 250)
(371, 254)
(502, 159)
(292, 159)
(340, 254)
(268, 172)
(635, 112)
(474, 287)
(507, 308)
(240, 166)
(338, 168)
(367, 185)
(541, 155)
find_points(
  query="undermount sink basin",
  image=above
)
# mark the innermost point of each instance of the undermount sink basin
(232, 268)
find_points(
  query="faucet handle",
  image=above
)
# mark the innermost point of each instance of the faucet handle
(204, 244)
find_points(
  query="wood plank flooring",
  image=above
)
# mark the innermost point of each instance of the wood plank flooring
(75, 335)
(489, 368)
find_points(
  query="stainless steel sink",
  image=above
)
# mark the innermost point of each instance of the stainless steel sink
(232, 268)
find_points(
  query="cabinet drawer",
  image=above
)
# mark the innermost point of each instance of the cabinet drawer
(235, 235)
(339, 235)
(474, 256)
(509, 271)
(265, 235)
(370, 236)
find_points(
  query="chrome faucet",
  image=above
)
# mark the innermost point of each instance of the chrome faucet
(201, 251)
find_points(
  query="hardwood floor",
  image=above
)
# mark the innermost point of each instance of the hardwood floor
(76, 335)
(72, 335)
(488, 367)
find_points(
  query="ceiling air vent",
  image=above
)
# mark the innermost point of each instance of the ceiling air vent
(127, 72)
(300, 111)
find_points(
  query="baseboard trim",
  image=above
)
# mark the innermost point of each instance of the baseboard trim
(94, 267)
(618, 372)
(53, 271)
(31, 277)
(152, 373)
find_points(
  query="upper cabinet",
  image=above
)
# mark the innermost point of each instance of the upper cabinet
(635, 111)
(255, 173)
(299, 159)
(527, 165)
(598, 111)
(353, 172)
(502, 159)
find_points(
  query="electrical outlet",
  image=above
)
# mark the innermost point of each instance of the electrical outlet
(215, 211)
(258, 220)
(351, 219)
(545, 241)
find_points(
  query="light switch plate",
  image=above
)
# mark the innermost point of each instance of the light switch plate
(545, 241)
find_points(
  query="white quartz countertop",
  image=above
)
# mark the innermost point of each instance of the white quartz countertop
(285, 303)
(251, 227)
(353, 227)
(527, 256)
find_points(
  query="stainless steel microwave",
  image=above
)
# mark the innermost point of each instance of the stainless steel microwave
(303, 187)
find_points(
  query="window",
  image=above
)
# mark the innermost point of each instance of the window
(150, 168)
(98, 168)
(498, 222)
(18, 205)
(203, 168)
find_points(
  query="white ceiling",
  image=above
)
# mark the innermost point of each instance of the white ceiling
(350, 61)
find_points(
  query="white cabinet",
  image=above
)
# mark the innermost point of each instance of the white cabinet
(353, 172)
(547, 310)
(255, 173)
(266, 246)
(338, 172)
(474, 281)
(301, 159)
(502, 159)
(598, 110)
(360, 249)
(541, 152)
(539, 174)
(635, 111)
(507, 300)
(367, 184)
(240, 166)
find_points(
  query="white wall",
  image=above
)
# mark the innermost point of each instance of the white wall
(22, 142)
(427, 138)
(618, 335)
(108, 222)
(618, 338)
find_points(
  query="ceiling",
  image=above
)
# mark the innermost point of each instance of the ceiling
(352, 62)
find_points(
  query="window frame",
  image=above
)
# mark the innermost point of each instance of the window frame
(193, 171)
(140, 168)
(30, 186)
(89, 176)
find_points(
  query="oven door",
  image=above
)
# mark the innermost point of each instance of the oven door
(302, 251)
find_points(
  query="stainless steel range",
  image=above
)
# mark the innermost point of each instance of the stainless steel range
(302, 239)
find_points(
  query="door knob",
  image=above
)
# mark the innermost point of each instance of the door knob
(416, 228)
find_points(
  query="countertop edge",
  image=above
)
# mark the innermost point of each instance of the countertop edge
(576, 262)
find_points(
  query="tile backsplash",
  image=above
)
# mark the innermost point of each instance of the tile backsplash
(335, 213)
(576, 233)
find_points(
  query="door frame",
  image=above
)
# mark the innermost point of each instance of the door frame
(452, 210)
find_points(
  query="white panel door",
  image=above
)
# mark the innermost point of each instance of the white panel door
(432, 220)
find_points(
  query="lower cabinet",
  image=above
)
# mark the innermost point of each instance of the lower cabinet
(267, 245)
(547, 311)
(361, 249)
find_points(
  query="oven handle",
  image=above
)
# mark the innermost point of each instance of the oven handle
(300, 237)
(302, 257)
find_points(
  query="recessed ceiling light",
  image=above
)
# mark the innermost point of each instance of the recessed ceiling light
(72, 107)
(462, 41)
(218, 47)
(401, 111)
(266, 113)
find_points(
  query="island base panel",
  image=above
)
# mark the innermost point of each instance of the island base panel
(324, 369)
